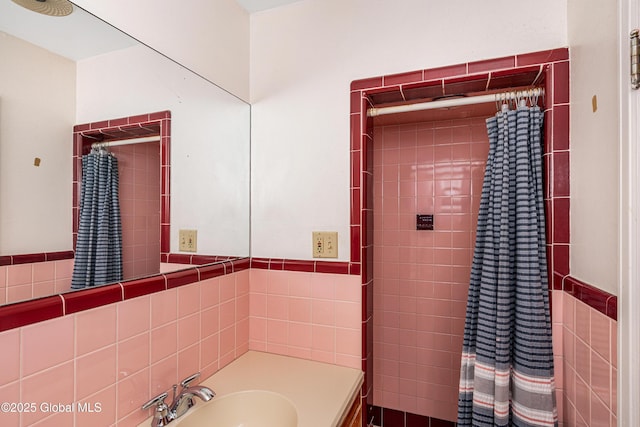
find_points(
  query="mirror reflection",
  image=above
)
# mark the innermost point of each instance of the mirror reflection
(59, 72)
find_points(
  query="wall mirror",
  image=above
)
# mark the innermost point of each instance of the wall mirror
(59, 71)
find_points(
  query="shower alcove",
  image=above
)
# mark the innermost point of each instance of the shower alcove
(414, 283)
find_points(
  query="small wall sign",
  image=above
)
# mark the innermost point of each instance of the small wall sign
(424, 222)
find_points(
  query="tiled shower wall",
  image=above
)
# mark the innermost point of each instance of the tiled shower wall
(139, 173)
(421, 276)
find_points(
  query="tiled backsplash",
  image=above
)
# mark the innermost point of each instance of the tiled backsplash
(21, 282)
(313, 316)
(118, 356)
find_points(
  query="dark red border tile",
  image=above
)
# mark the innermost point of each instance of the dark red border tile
(59, 256)
(409, 77)
(211, 271)
(28, 312)
(119, 122)
(414, 420)
(561, 220)
(334, 267)
(560, 127)
(355, 132)
(561, 182)
(91, 298)
(355, 101)
(5, 260)
(561, 259)
(182, 277)
(492, 64)
(542, 57)
(206, 259)
(366, 83)
(276, 264)
(354, 269)
(241, 264)
(28, 258)
(561, 82)
(612, 307)
(448, 71)
(179, 258)
(260, 263)
(299, 265)
(146, 286)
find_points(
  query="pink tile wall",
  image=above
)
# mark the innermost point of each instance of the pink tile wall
(585, 348)
(421, 277)
(120, 355)
(307, 315)
(139, 173)
(20, 282)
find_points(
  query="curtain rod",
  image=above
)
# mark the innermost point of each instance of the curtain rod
(502, 97)
(115, 143)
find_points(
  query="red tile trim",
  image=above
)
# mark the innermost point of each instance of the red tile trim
(595, 298)
(182, 277)
(36, 257)
(555, 71)
(146, 286)
(334, 267)
(211, 271)
(492, 64)
(543, 57)
(91, 298)
(140, 125)
(28, 258)
(28, 312)
(58, 256)
(449, 71)
(410, 77)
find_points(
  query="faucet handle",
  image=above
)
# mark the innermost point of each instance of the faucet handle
(157, 401)
(191, 378)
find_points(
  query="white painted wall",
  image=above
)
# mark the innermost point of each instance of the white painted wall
(303, 59)
(209, 140)
(35, 201)
(593, 40)
(211, 37)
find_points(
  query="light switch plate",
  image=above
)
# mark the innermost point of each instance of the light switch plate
(325, 244)
(188, 240)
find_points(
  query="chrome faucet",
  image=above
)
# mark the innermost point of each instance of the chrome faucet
(180, 404)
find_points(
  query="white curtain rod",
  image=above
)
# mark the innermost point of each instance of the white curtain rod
(115, 143)
(498, 98)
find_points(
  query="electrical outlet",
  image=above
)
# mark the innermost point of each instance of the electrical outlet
(325, 244)
(188, 240)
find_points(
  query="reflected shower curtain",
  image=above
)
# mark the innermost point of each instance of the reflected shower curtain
(98, 257)
(506, 376)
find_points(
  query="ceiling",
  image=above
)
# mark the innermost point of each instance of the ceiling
(252, 6)
(76, 36)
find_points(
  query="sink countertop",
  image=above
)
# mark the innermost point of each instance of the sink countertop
(321, 392)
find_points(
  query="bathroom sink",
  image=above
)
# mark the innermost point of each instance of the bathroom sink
(251, 408)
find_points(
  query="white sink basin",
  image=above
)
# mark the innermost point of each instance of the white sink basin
(251, 408)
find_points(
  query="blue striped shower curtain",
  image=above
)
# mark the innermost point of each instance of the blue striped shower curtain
(506, 377)
(98, 256)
